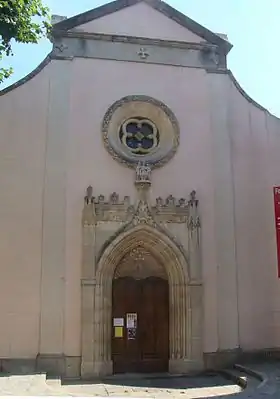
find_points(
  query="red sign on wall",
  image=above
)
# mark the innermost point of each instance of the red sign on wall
(276, 192)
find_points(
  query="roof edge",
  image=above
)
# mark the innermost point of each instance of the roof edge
(28, 77)
(249, 98)
(95, 13)
(190, 24)
(159, 5)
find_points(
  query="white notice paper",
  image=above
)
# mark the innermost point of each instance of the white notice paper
(118, 322)
(131, 320)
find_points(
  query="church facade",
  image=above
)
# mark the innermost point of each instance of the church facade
(137, 219)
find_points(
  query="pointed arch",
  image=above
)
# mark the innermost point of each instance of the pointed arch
(182, 336)
(158, 243)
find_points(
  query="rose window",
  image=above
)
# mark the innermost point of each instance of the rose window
(139, 135)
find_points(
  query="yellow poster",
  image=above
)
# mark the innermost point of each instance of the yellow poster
(118, 332)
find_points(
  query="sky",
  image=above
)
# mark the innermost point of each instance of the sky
(252, 27)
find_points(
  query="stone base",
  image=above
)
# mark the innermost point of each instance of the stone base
(51, 364)
(184, 366)
(54, 365)
(59, 365)
(221, 359)
(261, 355)
(93, 370)
(71, 366)
(18, 366)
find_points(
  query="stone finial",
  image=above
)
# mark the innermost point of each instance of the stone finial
(114, 198)
(159, 201)
(170, 200)
(89, 199)
(126, 200)
(193, 201)
(172, 203)
(143, 174)
(101, 199)
(182, 202)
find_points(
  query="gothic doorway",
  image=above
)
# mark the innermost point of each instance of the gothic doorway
(165, 261)
(140, 315)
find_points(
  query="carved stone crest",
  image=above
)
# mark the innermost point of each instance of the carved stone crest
(143, 214)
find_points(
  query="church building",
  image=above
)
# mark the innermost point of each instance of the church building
(137, 218)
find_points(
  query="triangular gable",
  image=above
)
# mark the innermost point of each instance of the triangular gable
(140, 20)
(194, 30)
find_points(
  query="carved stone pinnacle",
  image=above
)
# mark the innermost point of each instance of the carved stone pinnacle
(89, 197)
(143, 175)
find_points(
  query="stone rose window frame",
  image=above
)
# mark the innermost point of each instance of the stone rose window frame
(140, 135)
(137, 108)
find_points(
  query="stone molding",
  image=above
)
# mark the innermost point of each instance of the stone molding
(133, 49)
(149, 107)
(141, 41)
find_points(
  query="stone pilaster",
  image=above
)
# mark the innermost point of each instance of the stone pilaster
(196, 322)
(224, 232)
(102, 330)
(88, 299)
(194, 240)
(88, 285)
(88, 237)
(54, 210)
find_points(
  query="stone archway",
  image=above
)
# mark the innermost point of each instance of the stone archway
(185, 339)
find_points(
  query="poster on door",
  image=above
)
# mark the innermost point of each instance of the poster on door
(131, 320)
(131, 333)
(131, 325)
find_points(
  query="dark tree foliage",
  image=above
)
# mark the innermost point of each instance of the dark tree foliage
(24, 21)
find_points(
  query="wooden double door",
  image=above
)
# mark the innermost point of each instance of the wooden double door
(140, 326)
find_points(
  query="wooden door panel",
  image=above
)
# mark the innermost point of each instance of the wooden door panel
(149, 351)
(154, 325)
(125, 352)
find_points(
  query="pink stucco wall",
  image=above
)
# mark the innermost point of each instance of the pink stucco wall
(23, 115)
(255, 147)
(51, 126)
